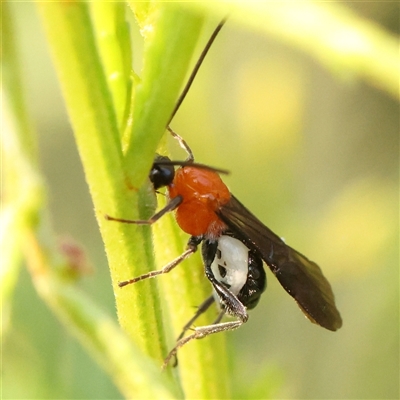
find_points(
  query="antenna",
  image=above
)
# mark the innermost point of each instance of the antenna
(195, 70)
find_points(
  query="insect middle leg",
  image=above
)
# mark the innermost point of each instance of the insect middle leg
(191, 248)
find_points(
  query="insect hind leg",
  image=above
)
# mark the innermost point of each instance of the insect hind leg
(200, 333)
(203, 307)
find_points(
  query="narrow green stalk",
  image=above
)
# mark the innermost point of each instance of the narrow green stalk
(202, 363)
(22, 190)
(171, 34)
(112, 37)
(133, 373)
(25, 225)
(93, 103)
(90, 106)
(169, 38)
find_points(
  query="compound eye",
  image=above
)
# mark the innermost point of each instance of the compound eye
(161, 175)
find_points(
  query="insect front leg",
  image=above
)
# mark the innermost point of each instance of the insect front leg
(172, 205)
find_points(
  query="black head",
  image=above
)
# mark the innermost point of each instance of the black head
(162, 173)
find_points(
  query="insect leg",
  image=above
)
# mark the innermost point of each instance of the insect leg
(231, 305)
(200, 333)
(183, 145)
(172, 204)
(191, 248)
(203, 307)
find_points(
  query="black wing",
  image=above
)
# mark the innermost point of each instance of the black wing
(299, 276)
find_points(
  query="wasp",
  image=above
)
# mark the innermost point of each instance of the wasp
(235, 245)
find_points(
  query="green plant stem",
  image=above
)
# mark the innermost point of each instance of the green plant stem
(26, 217)
(202, 364)
(133, 373)
(90, 106)
(114, 179)
(112, 37)
(168, 48)
(22, 188)
(169, 43)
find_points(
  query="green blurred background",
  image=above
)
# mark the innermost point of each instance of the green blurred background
(313, 153)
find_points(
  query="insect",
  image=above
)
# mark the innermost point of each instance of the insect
(234, 246)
